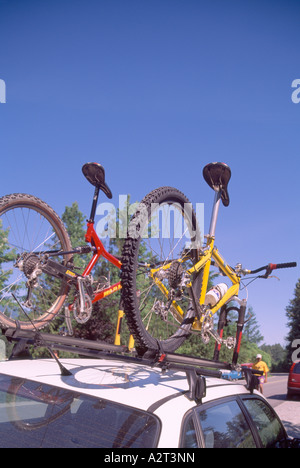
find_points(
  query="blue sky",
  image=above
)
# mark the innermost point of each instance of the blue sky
(154, 90)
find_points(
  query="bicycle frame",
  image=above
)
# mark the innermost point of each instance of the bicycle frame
(208, 253)
(98, 249)
(212, 253)
(92, 238)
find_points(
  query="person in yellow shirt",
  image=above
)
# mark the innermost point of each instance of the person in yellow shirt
(261, 366)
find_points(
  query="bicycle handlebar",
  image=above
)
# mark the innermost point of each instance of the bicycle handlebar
(282, 265)
(273, 266)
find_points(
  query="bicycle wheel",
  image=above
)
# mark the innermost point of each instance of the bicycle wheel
(162, 244)
(28, 226)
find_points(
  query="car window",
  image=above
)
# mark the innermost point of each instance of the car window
(189, 437)
(268, 425)
(224, 426)
(296, 369)
(39, 415)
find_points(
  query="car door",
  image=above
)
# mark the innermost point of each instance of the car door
(267, 424)
(233, 422)
(222, 423)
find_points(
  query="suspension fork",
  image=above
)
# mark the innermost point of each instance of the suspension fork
(241, 310)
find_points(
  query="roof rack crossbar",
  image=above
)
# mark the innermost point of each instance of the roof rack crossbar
(196, 369)
(98, 348)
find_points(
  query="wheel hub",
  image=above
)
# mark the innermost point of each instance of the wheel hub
(28, 263)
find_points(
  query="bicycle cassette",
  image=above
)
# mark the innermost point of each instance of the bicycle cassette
(83, 316)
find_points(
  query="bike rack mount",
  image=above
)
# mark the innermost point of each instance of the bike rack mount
(196, 369)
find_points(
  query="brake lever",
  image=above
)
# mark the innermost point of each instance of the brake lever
(268, 272)
(269, 268)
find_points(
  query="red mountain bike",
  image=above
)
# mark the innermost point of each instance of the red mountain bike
(36, 261)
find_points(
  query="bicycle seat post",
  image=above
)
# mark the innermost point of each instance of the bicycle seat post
(214, 215)
(94, 205)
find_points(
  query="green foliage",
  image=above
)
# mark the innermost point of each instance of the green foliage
(278, 355)
(102, 325)
(251, 330)
(6, 256)
(74, 222)
(293, 317)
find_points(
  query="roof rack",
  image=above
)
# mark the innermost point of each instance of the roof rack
(195, 368)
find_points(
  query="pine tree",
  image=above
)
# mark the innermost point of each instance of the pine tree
(278, 354)
(251, 330)
(7, 258)
(74, 222)
(293, 316)
(101, 325)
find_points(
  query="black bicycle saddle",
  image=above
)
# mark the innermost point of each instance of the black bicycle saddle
(217, 175)
(95, 174)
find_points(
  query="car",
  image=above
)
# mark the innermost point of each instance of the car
(114, 404)
(293, 385)
(247, 364)
(232, 375)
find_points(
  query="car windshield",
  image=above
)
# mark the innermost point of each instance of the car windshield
(39, 415)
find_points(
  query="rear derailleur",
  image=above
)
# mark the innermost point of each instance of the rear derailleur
(33, 265)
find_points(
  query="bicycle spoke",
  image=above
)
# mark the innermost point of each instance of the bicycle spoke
(157, 300)
(26, 228)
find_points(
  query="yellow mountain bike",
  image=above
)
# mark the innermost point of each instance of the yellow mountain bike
(165, 272)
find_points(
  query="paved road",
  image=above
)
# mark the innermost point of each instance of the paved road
(275, 389)
(288, 411)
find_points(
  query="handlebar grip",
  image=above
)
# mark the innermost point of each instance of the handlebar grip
(273, 266)
(282, 265)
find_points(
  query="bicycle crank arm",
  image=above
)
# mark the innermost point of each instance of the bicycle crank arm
(229, 342)
(207, 330)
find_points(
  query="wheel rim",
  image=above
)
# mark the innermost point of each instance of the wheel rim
(25, 230)
(163, 298)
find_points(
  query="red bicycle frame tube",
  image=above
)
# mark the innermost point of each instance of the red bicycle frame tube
(92, 238)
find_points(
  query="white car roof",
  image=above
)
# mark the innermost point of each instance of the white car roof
(132, 384)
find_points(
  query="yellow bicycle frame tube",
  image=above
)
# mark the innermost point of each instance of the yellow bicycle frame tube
(213, 253)
(210, 252)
